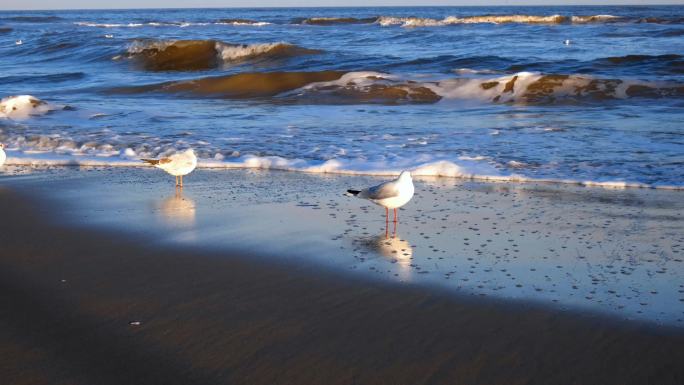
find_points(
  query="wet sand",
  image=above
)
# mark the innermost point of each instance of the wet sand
(614, 252)
(76, 284)
(74, 291)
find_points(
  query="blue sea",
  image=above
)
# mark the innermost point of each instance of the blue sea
(589, 95)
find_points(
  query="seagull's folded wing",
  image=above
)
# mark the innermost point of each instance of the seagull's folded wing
(383, 191)
(156, 161)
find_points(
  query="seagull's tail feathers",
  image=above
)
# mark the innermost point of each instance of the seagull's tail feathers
(353, 193)
(153, 162)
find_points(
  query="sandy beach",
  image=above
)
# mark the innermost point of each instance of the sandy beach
(229, 283)
(538, 152)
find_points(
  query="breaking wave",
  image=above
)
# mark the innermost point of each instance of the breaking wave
(184, 55)
(595, 19)
(520, 19)
(112, 25)
(181, 24)
(335, 87)
(405, 21)
(451, 20)
(242, 22)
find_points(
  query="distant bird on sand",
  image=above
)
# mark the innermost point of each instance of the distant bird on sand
(3, 156)
(390, 195)
(178, 165)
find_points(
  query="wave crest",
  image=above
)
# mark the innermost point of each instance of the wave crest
(485, 19)
(519, 88)
(520, 19)
(537, 88)
(367, 87)
(190, 55)
(594, 19)
(335, 87)
(242, 22)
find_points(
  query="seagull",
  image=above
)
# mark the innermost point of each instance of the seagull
(3, 156)
(177, 165)
(390, 195)
(19, 42)
(566, 42)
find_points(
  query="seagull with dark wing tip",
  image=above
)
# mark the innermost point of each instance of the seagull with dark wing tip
(178, 165)
(390, 195)
(3, 156)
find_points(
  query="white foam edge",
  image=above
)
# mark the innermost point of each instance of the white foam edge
(439, 169)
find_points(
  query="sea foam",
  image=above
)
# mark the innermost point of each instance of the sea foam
(480, 170)
(23, 107)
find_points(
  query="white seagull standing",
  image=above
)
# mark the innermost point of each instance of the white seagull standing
(390, 195)
(178, 165)
(3, 156)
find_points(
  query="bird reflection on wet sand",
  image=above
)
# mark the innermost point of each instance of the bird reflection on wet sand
(178, 210)
(392, 247)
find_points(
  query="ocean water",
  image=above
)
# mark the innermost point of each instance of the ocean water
(590, 95)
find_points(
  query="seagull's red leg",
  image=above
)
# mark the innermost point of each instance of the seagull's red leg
(395, 215)
(181, 178)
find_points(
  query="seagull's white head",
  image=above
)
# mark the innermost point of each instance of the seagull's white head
(405, 176)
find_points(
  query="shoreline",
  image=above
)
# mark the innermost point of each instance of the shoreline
(436, 169)
(210, 317)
